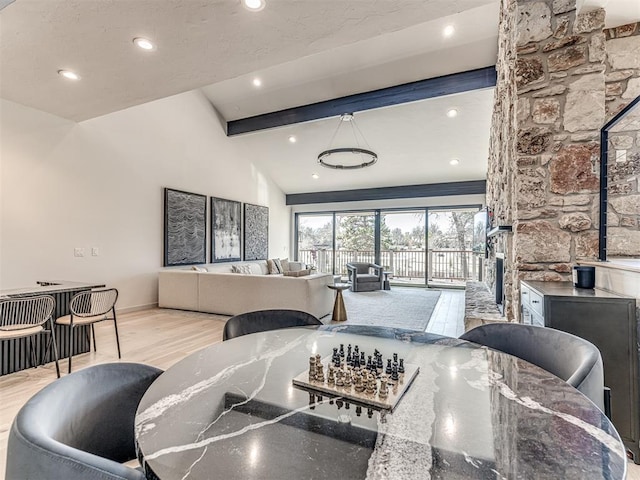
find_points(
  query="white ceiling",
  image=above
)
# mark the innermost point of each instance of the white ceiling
(303, 50)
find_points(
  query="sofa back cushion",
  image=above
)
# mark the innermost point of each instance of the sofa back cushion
(258, 267)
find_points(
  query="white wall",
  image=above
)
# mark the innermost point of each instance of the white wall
(100, 184)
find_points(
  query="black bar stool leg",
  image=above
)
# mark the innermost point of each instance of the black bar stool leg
(115, 324)
(70, 345)
(93, 334)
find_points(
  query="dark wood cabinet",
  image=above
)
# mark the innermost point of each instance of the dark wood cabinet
(609, 322)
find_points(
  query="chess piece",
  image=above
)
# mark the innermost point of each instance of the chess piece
(359, 385)
(312, 368)
(342, 350)
(394, 374)
(347, 378)
(318, 359)
(369, 363)
(339, 404)
(388, 370)
(369, 412)
(335, 354)
(395, 357)
(332, 375)
(362, 360)
(347, 405)
(384, 387)
(401, 366)
(371, 384)
(312, 401)
(339, 378)
(320, 373)
(379, 364)
(358, 410)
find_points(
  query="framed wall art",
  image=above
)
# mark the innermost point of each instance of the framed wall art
(226, 226)
(256, 232)
(185, 228)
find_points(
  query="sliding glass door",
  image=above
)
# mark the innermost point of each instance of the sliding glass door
(402, 246)
(419, 246)
(355, 239)
(450, 260)
(315, 241)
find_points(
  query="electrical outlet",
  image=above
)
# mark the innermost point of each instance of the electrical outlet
(78, 252)
(95, 251)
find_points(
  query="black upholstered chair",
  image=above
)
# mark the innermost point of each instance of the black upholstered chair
(365, 277)
(80, 427)
(573, 359)
(263, 320)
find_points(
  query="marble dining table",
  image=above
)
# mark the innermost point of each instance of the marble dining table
(230, 411)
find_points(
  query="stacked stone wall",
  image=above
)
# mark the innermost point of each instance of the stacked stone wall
(502, 151)
(543, 175)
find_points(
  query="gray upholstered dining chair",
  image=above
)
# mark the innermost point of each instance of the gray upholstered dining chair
(573, 359)
(264, 320)
(81, 426)
(365, 277)
(88, 308)
(26, 317)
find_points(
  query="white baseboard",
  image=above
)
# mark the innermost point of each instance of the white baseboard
(137, 308)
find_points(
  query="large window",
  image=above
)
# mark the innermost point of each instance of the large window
(315, 241)
(418, 246)
(450, 259)
(355, 239)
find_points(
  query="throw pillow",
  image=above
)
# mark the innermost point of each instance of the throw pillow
(285, 264)
(276, 262)
(274, 266)
(243, 269)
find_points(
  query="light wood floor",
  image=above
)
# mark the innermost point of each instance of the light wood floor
(162, 337)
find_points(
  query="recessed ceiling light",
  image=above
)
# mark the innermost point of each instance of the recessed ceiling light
(292, 139)
(315, 176)
(454, 162)
(452, 113)
(254, 5)
(69, 74)
(144, 43)
(257, 82)
(448, 30)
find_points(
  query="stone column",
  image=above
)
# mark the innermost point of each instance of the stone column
(561, 76)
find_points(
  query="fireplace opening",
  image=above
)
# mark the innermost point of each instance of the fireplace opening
(499, 285)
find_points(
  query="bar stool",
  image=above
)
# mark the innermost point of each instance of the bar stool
(25, 317)
(88, 308)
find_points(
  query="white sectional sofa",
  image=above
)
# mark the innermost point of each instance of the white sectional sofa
(218, 290)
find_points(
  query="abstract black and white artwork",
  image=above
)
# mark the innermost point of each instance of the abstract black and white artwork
(256, 232)
(185, 228)
(226, 218)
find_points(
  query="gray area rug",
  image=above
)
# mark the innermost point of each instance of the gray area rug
(409, 308)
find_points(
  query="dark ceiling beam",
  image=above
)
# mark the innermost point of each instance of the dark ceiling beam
(388, 193)
(408, 92)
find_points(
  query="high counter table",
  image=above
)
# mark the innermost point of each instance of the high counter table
(230, 411)
(14, 353)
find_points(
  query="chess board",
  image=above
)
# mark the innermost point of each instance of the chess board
(350, 394)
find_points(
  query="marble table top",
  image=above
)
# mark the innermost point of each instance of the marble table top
(230, 411)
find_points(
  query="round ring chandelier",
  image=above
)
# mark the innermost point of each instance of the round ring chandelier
(369, 158)
(343, 158)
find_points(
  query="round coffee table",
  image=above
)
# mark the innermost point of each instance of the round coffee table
(339, 312)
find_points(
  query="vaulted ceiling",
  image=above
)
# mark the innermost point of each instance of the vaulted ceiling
(302, 51)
